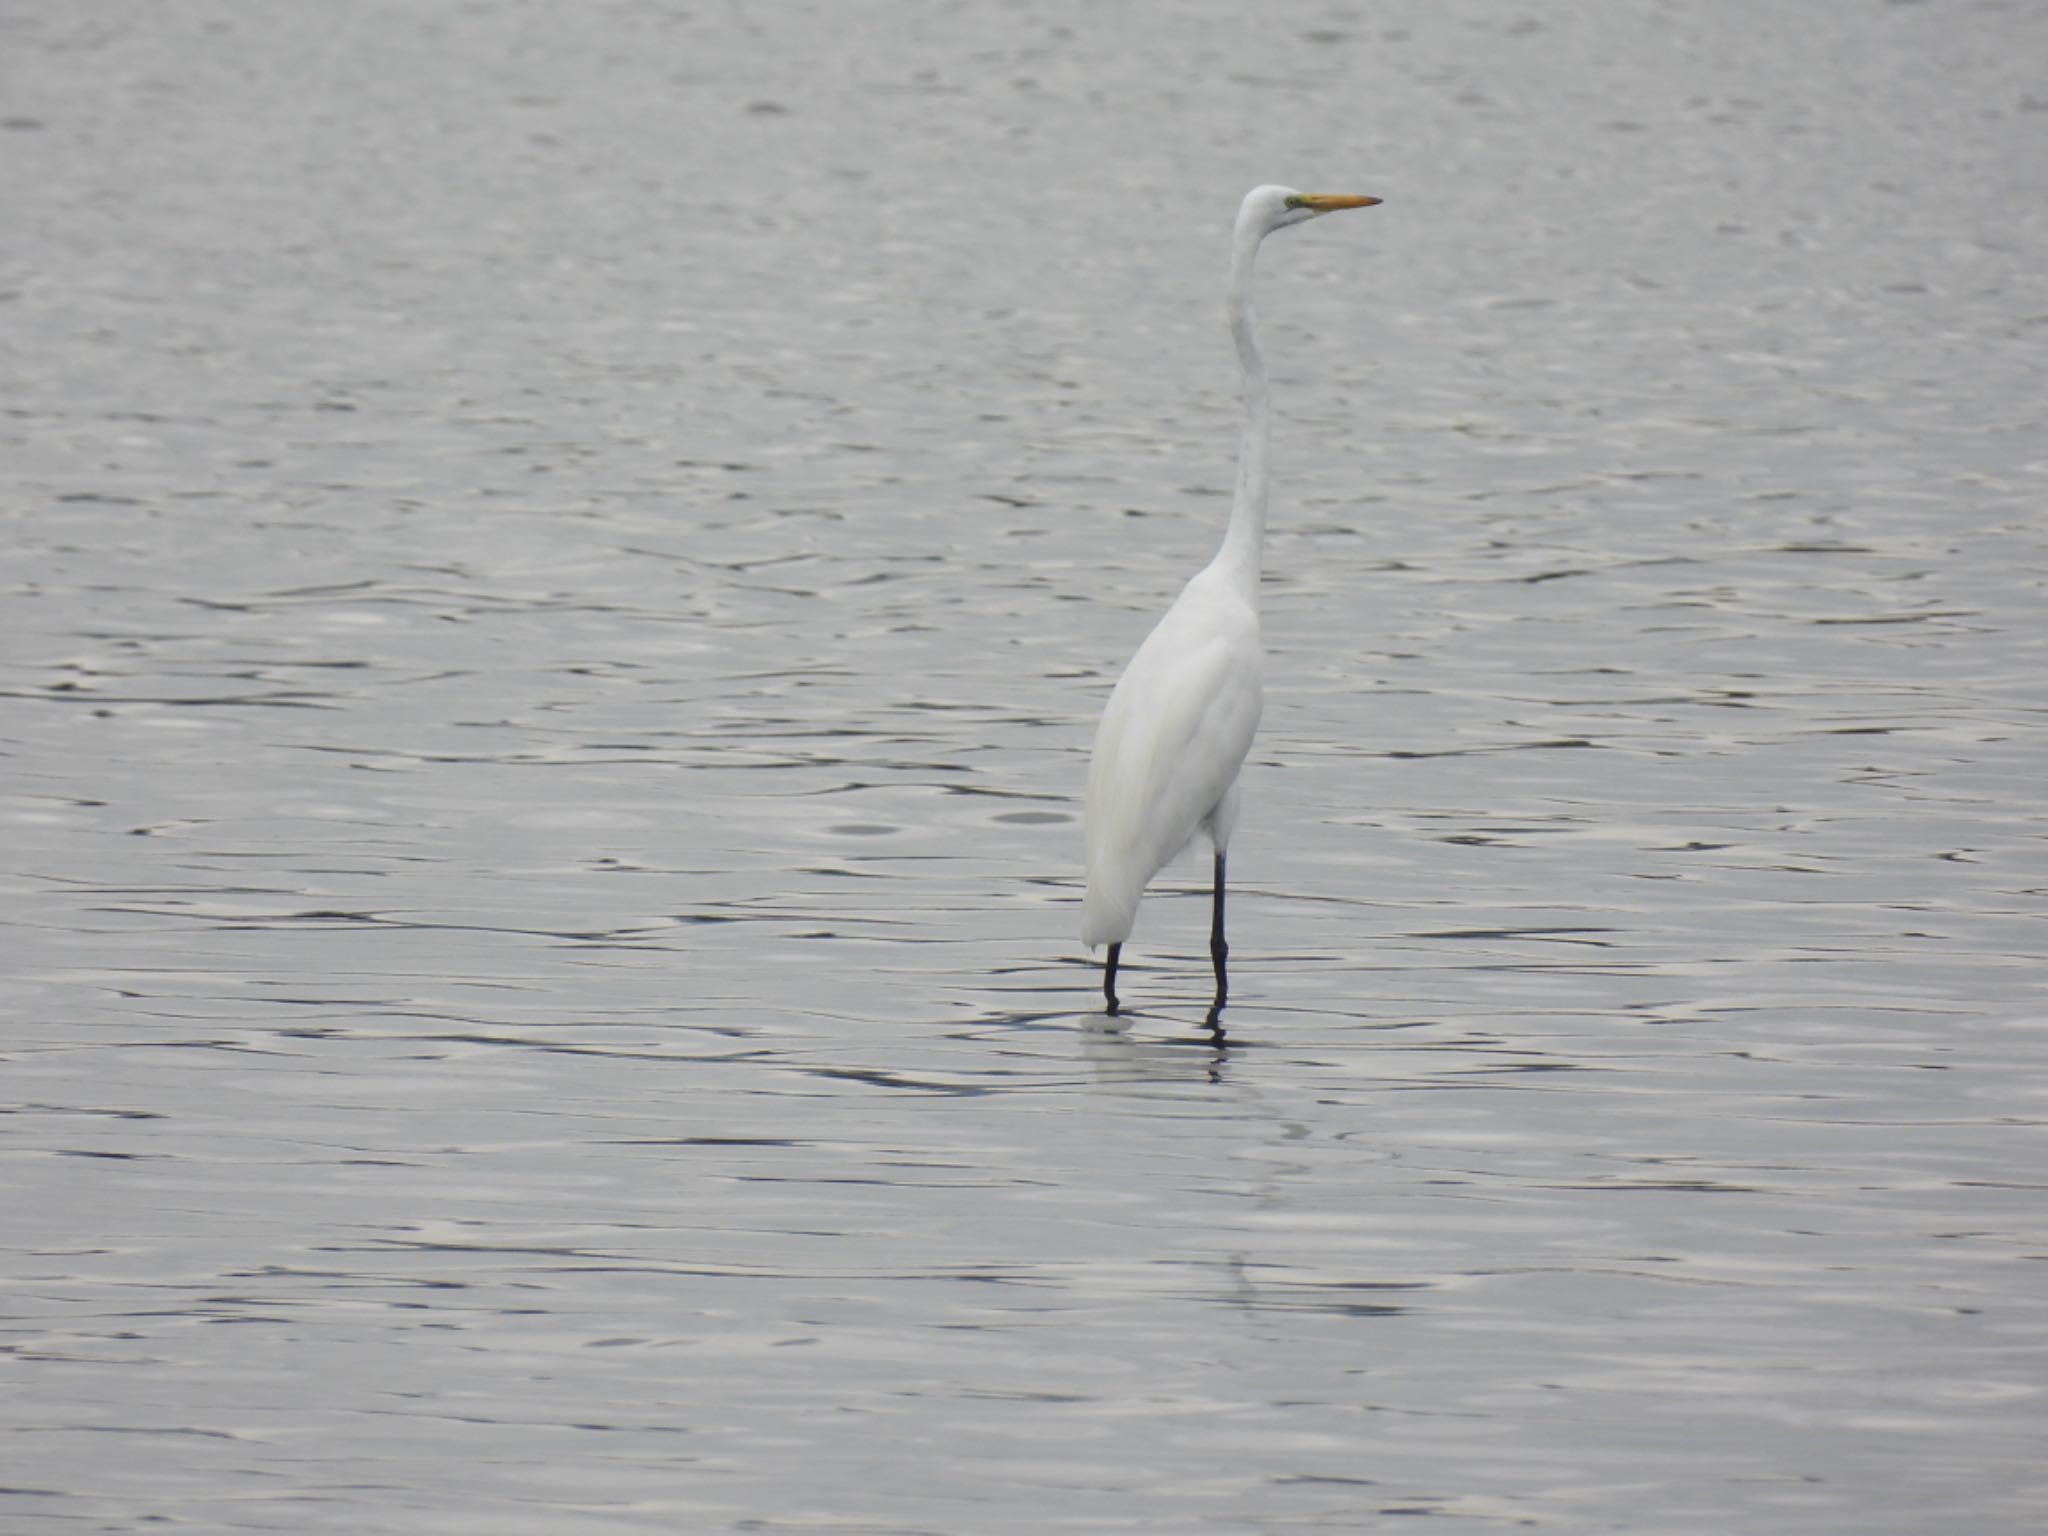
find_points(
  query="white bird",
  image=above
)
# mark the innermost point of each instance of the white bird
(1176, 729)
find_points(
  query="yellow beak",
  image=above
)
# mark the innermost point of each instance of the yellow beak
(1330, 202)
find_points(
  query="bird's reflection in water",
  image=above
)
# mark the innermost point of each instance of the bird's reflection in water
(1119, 1059)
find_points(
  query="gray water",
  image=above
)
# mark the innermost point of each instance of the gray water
(561, 562)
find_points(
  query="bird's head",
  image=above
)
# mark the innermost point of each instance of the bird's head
(1269, 208)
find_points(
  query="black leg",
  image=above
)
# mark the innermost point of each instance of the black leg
(1109, 977)
(1219, 952)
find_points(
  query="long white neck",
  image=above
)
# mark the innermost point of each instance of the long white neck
(1242, 544)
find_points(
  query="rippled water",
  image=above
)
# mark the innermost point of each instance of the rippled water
(562, 564)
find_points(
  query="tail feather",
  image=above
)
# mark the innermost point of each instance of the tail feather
(1108, 910)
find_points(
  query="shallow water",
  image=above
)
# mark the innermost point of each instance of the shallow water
(560, 579)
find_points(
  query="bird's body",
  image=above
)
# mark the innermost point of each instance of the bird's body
(1171, 741)
(1181, 719)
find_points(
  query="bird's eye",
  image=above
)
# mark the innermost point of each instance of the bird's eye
(1296, 200)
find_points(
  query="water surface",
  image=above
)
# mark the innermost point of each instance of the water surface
(561, 574)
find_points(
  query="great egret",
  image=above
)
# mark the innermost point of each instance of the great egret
(1178, 725)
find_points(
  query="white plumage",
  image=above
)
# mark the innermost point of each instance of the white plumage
(1181, 719)
(1168, 750)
